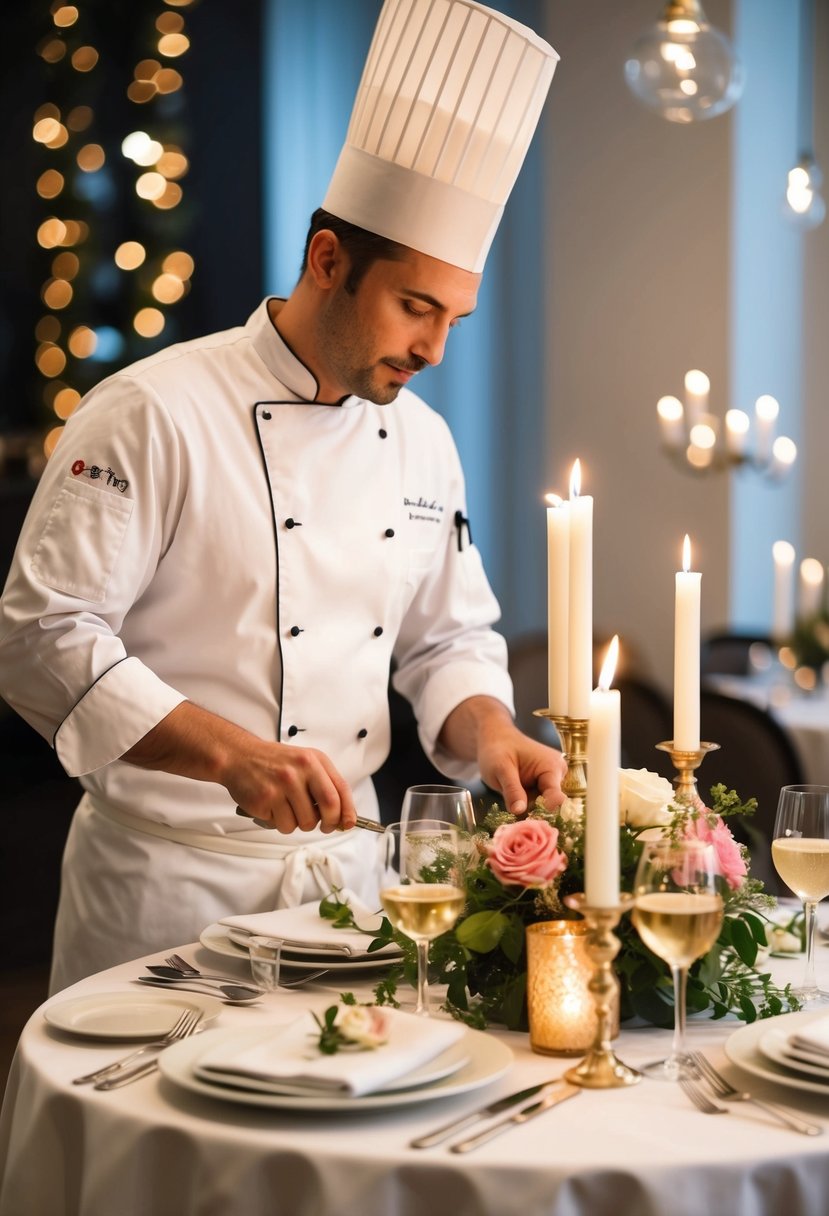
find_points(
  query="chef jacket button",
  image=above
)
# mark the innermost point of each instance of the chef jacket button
(293, 730)
(382, 432)
(295, 631)
(378, 629)
(389, 532)
(361, 734)
(266, 414)
(292, 523)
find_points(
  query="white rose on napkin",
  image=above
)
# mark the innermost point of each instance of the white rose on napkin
(644, 798)
(366, 1025)
(287, 1059)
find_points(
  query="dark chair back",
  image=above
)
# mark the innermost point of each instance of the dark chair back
(647, 719)
(730, 653)
(756, 758)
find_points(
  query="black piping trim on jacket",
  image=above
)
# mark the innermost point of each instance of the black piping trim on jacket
(111, 667)
(256, 425)
(303, 365)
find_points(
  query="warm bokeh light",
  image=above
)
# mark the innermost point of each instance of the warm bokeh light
(167, 288)
(169, 23)
(79, 118)
(90, 158)
(130, 255)
(50, 184)
(51, 232)
(805, 678)
(65, 265)
(173, 45)
(46, 129)
(148, 322)
(147, 69)
(76, 232)
(141, 91)
(172, 163)
(784, 450)
(84, 58)
(65, 16)
(179, 263)
(48, 329)
(703, 436)
(168, 80)
(133, 145)
(52, 50)
(669, 408)
(57, 293)
(47, 110)
(697, 382)
(82, 342)
(51, 440)
(66, 402)
(150, 186)
(50, 359)
(767, 408)
(170, 198)
(699, 458)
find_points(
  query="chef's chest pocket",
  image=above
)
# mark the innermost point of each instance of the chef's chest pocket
(81, 540)
(423, 546)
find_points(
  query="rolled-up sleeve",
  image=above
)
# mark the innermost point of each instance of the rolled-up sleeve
(447, 650)
(88, 548)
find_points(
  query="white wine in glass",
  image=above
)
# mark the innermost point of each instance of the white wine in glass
(678, 912)
(428, 896)
(800, 852)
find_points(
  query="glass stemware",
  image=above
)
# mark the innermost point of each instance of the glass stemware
(800, 852)
(451, 804)
(678, 912)
(428, 895)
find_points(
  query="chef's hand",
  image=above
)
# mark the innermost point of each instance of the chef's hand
(522, 769)
(283, 786)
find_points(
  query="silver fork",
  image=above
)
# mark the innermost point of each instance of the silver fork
(187, 1021)
(699, 1099)
(179, 964)
(123, 1076)
(723, 1089)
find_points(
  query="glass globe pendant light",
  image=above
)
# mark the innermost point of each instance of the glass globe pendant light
(683, 68)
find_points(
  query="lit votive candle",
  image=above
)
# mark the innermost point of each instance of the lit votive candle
(561, 1008)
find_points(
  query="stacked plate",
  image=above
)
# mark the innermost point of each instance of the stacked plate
(792, 1050)
(308, 941)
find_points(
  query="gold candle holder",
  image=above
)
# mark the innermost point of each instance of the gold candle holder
(560, 1005)
(686, 764)
(601, 1068)
(573, 735)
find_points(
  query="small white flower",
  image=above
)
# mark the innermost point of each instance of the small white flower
(644, 798)
(783, 942)
(366, 1025)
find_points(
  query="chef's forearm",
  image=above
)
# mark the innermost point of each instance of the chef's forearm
(190, 742)
(469, 723)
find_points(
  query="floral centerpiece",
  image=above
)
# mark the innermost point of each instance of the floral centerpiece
(520, 871)
(810, 641)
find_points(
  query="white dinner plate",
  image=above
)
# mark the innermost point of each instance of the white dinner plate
(488, 1059)
(127, 1015)
(775, 1045)
(743, 1049)
(215, 938)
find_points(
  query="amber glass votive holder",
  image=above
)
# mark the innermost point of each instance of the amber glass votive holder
(560, 1005)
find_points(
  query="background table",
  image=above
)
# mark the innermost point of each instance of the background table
(153, 1149)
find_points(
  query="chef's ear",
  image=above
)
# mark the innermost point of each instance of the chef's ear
(327, 261)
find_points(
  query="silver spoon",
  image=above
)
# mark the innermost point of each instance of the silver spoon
(232, 994)
(183, 970)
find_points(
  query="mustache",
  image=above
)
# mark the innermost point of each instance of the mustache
(414, 364)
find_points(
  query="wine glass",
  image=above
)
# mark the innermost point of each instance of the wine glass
(428, 895)
(800, 852)
(451, 804)
(678, 912)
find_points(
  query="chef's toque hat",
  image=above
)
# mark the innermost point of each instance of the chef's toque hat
(447, 105)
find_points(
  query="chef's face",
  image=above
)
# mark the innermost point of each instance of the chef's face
(372, 340)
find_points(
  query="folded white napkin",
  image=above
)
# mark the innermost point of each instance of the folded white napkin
(288, 1058)
(305, 925)
(814, 1037)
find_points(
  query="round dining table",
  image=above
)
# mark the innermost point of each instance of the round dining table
(155, 1148)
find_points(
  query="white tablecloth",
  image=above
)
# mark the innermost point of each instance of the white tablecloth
(153, 1149)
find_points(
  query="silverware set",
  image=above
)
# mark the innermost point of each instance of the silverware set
(144, 1060)
(549, 1094)
(180, 974)
(704, 1073)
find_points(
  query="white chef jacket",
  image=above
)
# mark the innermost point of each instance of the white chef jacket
(204, 531)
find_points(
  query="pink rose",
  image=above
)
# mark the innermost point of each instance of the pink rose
(730, 861)
(526, 853)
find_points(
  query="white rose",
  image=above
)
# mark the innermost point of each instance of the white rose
(366, 1025)
(644, 798)
(783, 942)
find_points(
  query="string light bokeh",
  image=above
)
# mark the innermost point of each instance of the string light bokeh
(113, 211)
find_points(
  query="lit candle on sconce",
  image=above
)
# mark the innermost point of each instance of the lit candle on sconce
(737, 423)
(558, 603)
(782, 624)
(811, 588)
(697, 388)
(601, 822)
(580, 597)
(766, 409)
(686, 655)
(671, 421)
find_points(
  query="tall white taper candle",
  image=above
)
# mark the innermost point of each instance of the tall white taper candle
(686, 655)
(601, 825)
(558, 603)
(580, 654)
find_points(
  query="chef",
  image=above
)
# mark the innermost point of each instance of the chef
(235, 537)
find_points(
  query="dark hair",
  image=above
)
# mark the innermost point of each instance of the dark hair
(362, 247)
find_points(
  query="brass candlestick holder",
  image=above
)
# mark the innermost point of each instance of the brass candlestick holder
(601, 1068)
(686, 763)
(573, 735)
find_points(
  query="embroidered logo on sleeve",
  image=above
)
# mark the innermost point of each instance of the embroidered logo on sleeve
(96, 473)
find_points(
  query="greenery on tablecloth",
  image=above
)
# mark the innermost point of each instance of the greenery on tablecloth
(483, 959)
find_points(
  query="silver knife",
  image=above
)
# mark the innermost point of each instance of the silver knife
(494, 1108)
(126, 1075)
(550, 1099)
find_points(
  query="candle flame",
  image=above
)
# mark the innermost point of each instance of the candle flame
(783, 553)
(609, 666)
(686, 553)
(575, 479)
(553, 500)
